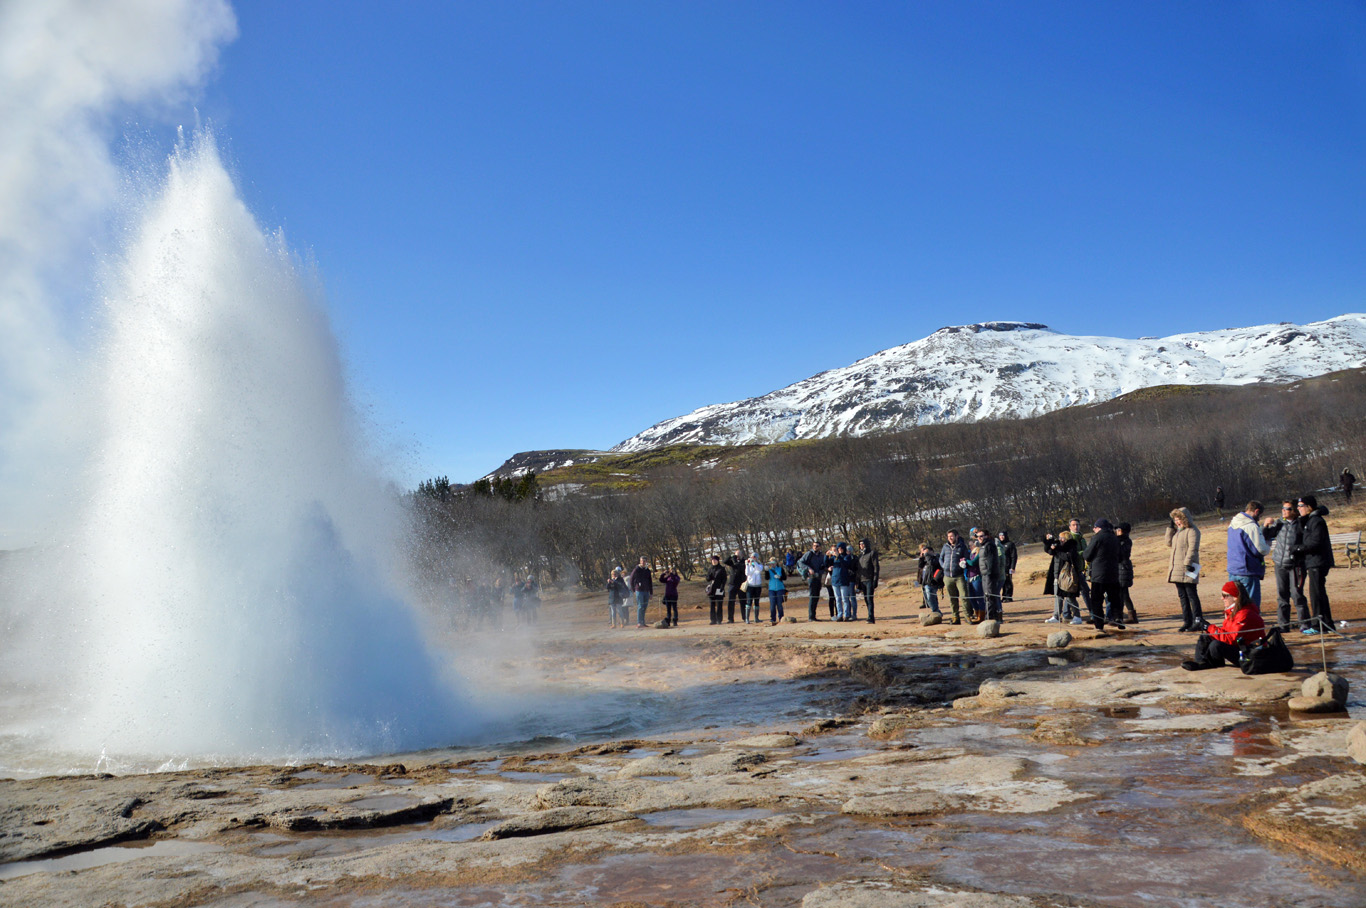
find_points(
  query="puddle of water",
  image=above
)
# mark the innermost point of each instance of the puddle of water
(640, 753)
(400, 783)
(535, 776)
(98, 857)
(696, 818)
(382, 802)
(332, 780)
(662, 778)
(828, 754)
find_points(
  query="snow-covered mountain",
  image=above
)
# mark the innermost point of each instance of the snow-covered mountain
(1010, 369)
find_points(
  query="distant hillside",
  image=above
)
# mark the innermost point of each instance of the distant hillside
(1156, 405)
(1005, 370)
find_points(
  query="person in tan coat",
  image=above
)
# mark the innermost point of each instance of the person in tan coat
(1183, 536)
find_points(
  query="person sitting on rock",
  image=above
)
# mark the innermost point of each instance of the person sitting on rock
(1242, 627)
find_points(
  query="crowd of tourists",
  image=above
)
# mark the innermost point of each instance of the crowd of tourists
(485, 604)
(1089, 578)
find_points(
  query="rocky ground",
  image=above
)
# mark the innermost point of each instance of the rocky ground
(818, 765)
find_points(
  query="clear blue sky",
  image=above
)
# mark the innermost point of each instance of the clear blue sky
(547, 225)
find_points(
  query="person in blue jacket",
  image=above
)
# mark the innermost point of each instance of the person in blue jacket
(843, 574)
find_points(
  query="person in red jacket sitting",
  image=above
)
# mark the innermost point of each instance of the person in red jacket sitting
(1242, 627)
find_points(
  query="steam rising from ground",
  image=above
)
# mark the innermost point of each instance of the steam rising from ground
(228, 588)
(217, 570)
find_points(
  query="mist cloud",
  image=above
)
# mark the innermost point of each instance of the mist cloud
(69, 69)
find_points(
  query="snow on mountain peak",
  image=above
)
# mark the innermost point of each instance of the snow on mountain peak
(1005, 369)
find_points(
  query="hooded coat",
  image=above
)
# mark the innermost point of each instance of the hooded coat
(1185, 546)
(1126, 563)
(869, 565)
(1247, 547)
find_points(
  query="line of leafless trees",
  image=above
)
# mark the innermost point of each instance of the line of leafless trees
(1130, 459)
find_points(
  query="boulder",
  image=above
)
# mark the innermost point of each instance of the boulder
(1325, 684)
(989, 629)
(1058, 639)
(1356, 742)
(928, 618)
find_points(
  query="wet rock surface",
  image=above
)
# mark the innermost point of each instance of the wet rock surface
(880, 771)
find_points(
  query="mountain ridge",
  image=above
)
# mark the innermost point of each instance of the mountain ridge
(1005, 369)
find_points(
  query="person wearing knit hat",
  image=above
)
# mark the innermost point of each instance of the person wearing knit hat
(1315, 551)
(1242, 627)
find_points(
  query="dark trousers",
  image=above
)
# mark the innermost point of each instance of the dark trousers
(671, 611)
(1129, 612)
(1008, 588)
(866, 588)
(735, 593)
(718, 607)
(1190, 604)
(1107, 603)
(1214, 653)
(813, 591)
(752, 610)
(1290, 580)
(992, 594)
(1086, 594)
(830, 598)
(1315, 579)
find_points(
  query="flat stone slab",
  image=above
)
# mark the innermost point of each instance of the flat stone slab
(1314, 705)
(893, 894)
(1326, 817)
(556, 819)
(1356, 742)
(1200, 723)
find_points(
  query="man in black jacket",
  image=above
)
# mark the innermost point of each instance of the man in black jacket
(1010, 556)
(1102, 554)
(716, 588)
(813, 565)
(869, 573)
(931, 577)
(1315, 552)
(736, 564)
(1284, 535)
(989, 566)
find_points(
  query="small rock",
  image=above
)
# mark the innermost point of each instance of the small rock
(989, 629)
(778, 740)
(928, 618)
(888, 726)
(1356, 742)
(1314, 704)
(661, 625)
(1325, 684)
(904, 804)
(1058, 639)
(790, 619)
(994, 691)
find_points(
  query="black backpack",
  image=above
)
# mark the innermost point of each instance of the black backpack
(1268, 656)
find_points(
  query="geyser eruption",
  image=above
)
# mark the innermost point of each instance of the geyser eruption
(228, 590)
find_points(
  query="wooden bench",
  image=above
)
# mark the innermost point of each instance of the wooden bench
(1351, 545)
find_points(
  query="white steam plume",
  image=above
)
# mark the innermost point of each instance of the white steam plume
(68, 68)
